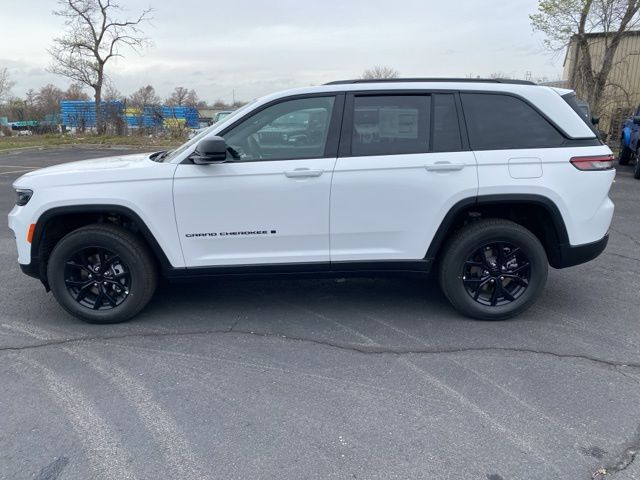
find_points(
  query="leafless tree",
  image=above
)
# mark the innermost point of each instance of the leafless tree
(75, 92)
(145, 98)
(111, 93)
(48, 99)
(379, 72)
(94, 35)
(220, 104)
(183, 96)
(567, 22)
(30, 99)
(499, 75)
(5, 84)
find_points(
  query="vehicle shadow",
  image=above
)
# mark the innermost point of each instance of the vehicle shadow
(405, 313)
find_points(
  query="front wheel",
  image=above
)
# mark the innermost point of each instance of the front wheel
(493, 270)
(102, 274)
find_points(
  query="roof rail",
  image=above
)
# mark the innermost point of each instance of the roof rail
(460, 80)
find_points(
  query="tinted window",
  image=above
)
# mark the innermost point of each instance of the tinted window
(446, 129)
(581, 109)
(387, 125)
(294, 129)
(499, 121)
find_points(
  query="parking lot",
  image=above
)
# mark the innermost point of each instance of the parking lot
(320, 379)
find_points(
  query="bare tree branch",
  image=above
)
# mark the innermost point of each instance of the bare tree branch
(5, 84)
(379, 72)
(93, 36)
(609, 19)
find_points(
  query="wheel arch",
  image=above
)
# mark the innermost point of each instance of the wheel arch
(535, 212)
(56, 222)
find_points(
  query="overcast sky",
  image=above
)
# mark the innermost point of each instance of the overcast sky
(257, 47)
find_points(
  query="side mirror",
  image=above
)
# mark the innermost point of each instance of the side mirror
(210, 150)
(636, 120)
(595, 120)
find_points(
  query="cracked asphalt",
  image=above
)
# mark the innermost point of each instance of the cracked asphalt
(323, 379)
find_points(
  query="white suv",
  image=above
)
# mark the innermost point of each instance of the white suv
(486, 181)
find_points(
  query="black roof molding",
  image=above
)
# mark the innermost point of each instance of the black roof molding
(411, 80)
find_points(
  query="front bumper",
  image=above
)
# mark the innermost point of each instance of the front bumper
(31, 269)
(570, 255)
(19, 220)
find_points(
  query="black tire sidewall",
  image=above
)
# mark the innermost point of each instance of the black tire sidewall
(80, 239)
(473, 238)
(625, 156)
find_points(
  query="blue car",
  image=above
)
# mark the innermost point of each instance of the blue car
(630, 142)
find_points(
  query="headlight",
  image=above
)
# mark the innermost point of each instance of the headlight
(23, 196)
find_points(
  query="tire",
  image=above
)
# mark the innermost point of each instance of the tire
(625, 156)
(103, 265)
(636, 169)
(470, 272)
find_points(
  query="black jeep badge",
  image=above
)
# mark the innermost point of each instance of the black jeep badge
(231, 234)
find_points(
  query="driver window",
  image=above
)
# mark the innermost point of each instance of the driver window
(293, 129)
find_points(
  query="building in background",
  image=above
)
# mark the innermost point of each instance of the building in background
(622, 94)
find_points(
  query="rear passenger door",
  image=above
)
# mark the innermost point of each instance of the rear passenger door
(403, 163)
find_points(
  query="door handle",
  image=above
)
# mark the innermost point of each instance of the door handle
(445, 167)
(303, 173)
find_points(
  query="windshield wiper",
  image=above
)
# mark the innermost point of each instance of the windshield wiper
(159, 156)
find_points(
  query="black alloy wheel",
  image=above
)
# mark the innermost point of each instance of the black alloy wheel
(496, 274)
(493, 269)
(102, 273)
(97, 278)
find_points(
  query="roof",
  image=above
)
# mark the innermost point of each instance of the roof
(432, 79)
(628, 33)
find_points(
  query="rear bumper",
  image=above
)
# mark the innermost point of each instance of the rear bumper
(571, 255)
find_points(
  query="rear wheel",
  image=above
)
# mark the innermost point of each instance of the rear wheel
(102, 274)
(625, 156)
(493, 270)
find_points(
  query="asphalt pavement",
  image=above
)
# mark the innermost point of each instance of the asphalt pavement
(324, 379)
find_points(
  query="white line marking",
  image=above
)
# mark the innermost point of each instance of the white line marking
(162, 425)
(103, 445)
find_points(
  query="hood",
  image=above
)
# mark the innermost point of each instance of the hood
(119, 168)
(104, 163)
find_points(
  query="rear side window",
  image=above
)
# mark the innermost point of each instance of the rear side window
(496, 122)
(390, 124)
(446, 129)
(581, 109)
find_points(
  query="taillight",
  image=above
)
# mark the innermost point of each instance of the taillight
(599, 162)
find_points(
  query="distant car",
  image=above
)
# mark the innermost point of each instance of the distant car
(196, 131)
(221, 115)
(218, 117)
(630, 142)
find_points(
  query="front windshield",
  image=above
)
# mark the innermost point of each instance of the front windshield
(185, 146)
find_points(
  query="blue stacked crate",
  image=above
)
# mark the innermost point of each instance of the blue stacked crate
(82, 113)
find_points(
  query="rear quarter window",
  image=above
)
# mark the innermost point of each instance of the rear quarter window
(581, 109)
(497, 122)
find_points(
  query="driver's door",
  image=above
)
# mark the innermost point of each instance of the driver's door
(269, 203)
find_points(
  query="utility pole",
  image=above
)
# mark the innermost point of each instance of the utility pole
(234, 96)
